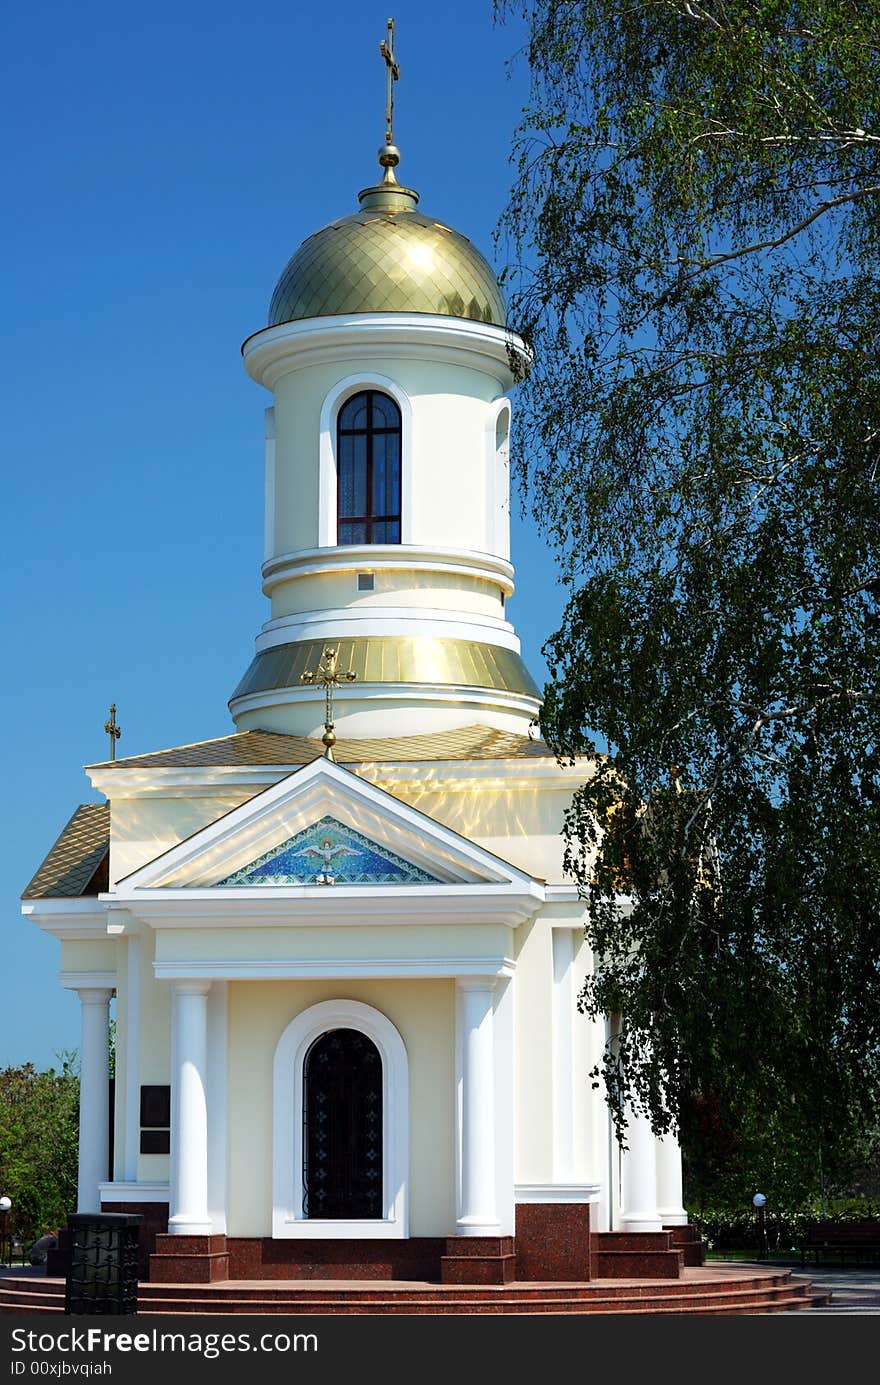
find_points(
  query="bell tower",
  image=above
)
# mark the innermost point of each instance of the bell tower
(387, 480)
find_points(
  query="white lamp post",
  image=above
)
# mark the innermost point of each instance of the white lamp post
(758, 1202)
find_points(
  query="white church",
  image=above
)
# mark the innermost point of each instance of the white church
(344, 954)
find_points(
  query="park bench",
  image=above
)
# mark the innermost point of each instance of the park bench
(844, 1242)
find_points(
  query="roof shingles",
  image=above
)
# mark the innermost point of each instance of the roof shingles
(272, 748)
(73, 861)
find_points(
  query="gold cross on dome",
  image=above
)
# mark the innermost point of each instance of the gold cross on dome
(386, 48)
(113, 731)
(327, 675)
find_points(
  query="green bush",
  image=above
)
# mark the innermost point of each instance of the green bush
(724, 1229)
(39, 1132)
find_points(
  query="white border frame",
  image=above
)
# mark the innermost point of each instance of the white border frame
(327, 484)
(288, 1221)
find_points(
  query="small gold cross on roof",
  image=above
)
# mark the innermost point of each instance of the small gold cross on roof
(386, 48)
(113, 731)
(327, 675)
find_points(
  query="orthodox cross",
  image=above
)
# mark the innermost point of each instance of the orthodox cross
(329, 677)
(113, 731)
(386, 48)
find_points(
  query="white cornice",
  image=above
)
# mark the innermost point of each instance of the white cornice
(69, 920)
(276, 351)
(182, 782)
(339, 906)
(564, 894)
(322, 969)
(455, 562)
(88, 980)
(557, 1192)
(205, 781)
(135, 1192)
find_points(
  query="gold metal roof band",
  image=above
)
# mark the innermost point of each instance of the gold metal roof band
(408, 659)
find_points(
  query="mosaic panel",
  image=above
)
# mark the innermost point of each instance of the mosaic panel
(330, 853)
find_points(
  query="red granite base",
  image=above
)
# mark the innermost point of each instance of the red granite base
(635, 1255)
(553, 1241)
(189, 1260)
(263, 1258)
(154, 1223)
(478, 1260)
(689, 1241)
(552, 1244)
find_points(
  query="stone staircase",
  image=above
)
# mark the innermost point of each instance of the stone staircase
(688, 1240)
(698, 1292)
(635, 1254)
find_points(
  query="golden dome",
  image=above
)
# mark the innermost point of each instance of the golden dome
(387, 258)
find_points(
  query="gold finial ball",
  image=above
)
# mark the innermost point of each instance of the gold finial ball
(329, 736)
(389, 156)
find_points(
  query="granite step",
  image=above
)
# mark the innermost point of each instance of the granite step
(701, 1294)
(690, 1242)
(290, 1291)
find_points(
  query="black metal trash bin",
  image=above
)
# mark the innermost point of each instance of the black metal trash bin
(102, 1277)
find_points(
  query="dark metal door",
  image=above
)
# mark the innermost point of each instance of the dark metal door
(342, 1127)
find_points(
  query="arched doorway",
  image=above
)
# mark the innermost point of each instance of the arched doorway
(290, 1137)
(342, 1127)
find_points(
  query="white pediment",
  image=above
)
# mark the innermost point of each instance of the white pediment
(265, 846)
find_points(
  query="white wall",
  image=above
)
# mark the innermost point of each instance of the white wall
(451, 457)
(142, 828)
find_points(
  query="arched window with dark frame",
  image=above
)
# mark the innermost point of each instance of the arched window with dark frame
(368, 469)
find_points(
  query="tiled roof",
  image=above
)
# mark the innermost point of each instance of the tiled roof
(77, 855)
(271, 748)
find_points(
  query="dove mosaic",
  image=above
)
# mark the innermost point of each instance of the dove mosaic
(330, 853)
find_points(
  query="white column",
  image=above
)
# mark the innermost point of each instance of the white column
(639, 1176)
(504, 1043)
(94, 1096)
(218, 1024)
(132, 1027)
(189, 1110)
(563, 1010)
(478, 1212)
(669, 1195)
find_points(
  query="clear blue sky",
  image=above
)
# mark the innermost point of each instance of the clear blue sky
(160, 166)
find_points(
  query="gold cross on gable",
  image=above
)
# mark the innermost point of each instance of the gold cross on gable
(386, 48)
(328, 676)
(113, 731)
